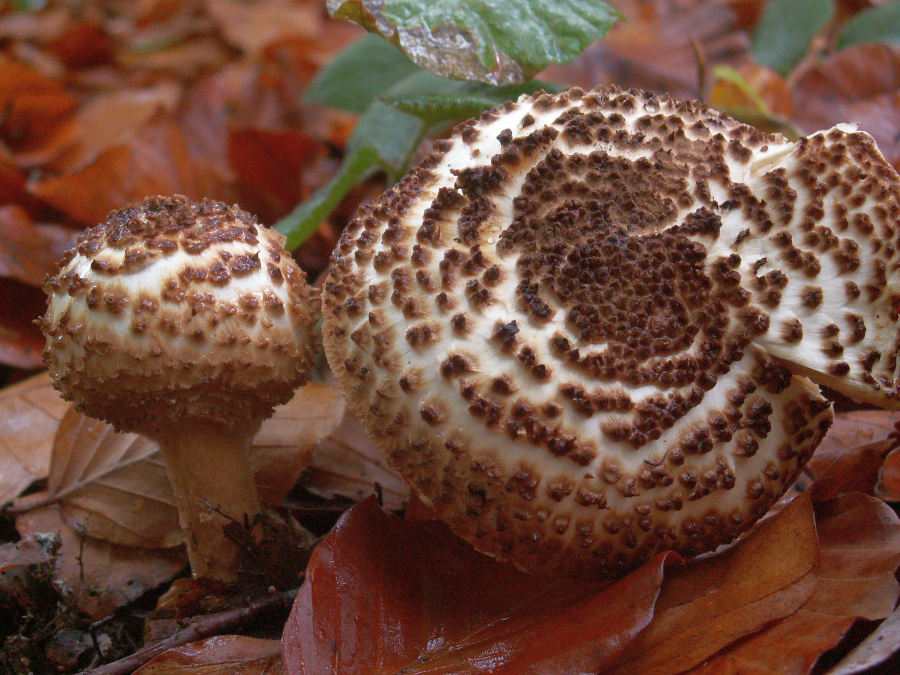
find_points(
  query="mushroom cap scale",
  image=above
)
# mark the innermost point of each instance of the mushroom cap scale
(182, 309)
(560, 327)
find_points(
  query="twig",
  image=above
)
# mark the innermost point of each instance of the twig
(200, 628)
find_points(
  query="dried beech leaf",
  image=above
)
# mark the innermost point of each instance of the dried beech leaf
(875, 649)
(220, 655)
(386, 595)
(888, 485)
(30, 412)
(99, 576)
(769, 575)
(157, 161)
(28, 252)
(346, 464)
(114, 486)
(850, 457)
(33, 105)
(859, 538)
(254, 27)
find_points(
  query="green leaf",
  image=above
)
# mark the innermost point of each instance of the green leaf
(878, 24)
(368, 67)
(786, 29)
(494, 41)
(383, 138)
(436, 100)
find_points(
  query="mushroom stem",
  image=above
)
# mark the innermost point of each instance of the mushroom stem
(209, 467)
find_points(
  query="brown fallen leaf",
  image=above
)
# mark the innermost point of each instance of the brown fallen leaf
(874, 650)
(97, 576)
(769, 575)
(221, 655)
(254, 27)
(346, 464)
(852, 454)
(859, 538)
(858, 84)
(386, 595)
(21, 554)
(28, 251)
(114, 487)
(21, 342)
(888, 485)
(156, 161)
(30, 412)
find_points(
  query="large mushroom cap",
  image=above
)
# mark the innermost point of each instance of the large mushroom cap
(561, 327)
(177, 310)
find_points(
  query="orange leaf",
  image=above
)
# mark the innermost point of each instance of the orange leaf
(221, 655)
(715, 601)
(888, 485)
(28, 252)
(34, 106)
(860, 541)
(386, 595)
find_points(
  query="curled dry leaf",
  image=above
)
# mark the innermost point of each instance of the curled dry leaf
(769, 575)
(114, 486)
(30, 412)
(221, 655)
(384, 595)
(851, 456)
(346, 464)
(859, 538)
(97, 576)
(875, 649)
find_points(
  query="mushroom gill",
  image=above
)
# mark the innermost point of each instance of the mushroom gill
(589, 327)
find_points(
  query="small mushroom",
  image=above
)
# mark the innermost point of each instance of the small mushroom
(591, 326)
(187, 323)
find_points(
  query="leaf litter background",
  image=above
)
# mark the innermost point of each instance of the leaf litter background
(102, 103)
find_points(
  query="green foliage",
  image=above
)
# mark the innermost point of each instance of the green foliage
(494, 41)
(786, 29)
(877, 24)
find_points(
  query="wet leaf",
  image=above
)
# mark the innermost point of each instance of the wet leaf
(489, 41)
(876, 24)
(97, 576)
(28, 251)
(114, 486)
(786, 29)
(346, 464)
(30, 412)
(430, 604)
(769, 575)
(860, 541)
(220, 655)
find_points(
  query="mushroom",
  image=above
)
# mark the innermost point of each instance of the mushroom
(187, 323)
(591, 326)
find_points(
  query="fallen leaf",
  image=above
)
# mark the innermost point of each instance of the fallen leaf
(254, 27)
(769, 575)
(851, 455)
(30, 412)
(385, 595)
(21, 554)
(28, 251)
(766, 87)
(859, 538)
(97, 576)
(33, 106)
(156, 162)
(874, 650)
(185, 60)
(21, 342)
(114, 487)
(859, 84)
(888, 485)
(220, 655)
(346, 464)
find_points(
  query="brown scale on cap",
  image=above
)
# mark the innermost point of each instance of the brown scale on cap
(187, 323)
(630, 300)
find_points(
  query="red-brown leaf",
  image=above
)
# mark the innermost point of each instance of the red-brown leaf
(384, 595)
(28, 252)
(716, 601)
(860, 541)
(220, 655)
